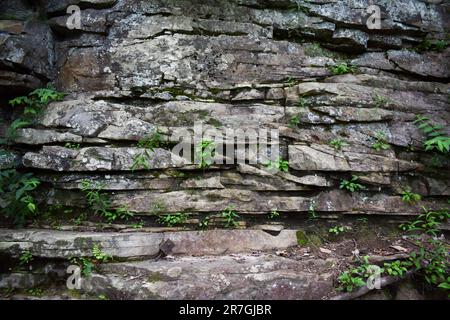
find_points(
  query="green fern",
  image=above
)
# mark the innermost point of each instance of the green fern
(436, 138)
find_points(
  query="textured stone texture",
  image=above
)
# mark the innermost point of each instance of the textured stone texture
(138, 67)
(65, 244)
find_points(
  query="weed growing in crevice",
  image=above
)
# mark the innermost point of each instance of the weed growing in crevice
(380, 101)
(338, 144)
(73, 146)
(301, 104)
(351, 185)
(279, 165)
(205, 152)
(342, 68)
(204, 223)
(274, 214)
(25, 258)
(380, 142)
(171, 220)
(100, 204)
(148, 145)
(410, 197)
(99, 255)
(87, 264)
(231, 217)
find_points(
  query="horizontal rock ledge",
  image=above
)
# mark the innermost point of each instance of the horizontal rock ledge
(53, 244)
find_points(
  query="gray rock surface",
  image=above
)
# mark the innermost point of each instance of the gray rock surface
(54, 244)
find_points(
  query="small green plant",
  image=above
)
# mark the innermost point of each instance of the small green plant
(338, 143)
(37, 99)
(230, 216)
(79, 220)
(102, 297)
(357, 277)
(302, 102)
(171, 220)
(74, 146)
(428, 221)
(351, 185)
(381, 142)
(410, 197)
(204, 223)
(15, 194)
(436, 137)
(99, 255)
(205, 152)
(137, 225)
(152, 142)
(100, 204)
(25, 258)
(157, 208)
(433, 262)
(342, 68)
(350, 280)
(432, 45)
(294, 121)
(32, 107)
(397, 268)
(274, 214)
(86, 265)
(279, 164)
(35, 292)
(148, 144)
(121, 213)
(337, 230)
(140, 161)
(380, 101)
(290, 82)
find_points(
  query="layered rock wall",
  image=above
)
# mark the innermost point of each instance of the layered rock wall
(138, 67)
